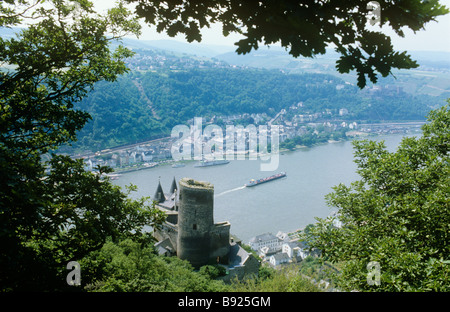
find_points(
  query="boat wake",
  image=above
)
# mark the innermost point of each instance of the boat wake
(229, 191)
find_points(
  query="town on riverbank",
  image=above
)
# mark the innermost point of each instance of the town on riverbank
(295, 131)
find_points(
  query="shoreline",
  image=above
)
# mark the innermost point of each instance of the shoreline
(361, 135)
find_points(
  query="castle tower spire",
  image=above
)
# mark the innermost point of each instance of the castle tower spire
(174, 186)
(159, 194)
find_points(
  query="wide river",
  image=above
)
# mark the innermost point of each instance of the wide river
(282, 205)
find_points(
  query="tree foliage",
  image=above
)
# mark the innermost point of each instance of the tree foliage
(129, 266)
(285, 279)
(397, 214)
(50, 218)
(133, 267)
(304, 28)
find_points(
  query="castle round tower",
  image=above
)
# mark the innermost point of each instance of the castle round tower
(195, 221)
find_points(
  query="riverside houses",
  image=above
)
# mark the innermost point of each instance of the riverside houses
(272, 242)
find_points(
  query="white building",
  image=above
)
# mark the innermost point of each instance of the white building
(132, 158)
(263, 252)
(266, 240)
(297, 250)
(147, 156)
(343, 112)
(353, 125)
(291, 249)
(279, 258)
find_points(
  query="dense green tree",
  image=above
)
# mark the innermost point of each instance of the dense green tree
(131, 266)
(49, 219)
(397, 215)
(286, 279)
(80, 211)
(134, 267)
(305, 28)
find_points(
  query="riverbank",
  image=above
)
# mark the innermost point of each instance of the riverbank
(348, 138)
(352, 135)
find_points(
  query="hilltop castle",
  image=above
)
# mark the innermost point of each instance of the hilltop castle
(190, 233)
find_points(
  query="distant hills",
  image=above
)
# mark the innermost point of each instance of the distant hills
(432, 77)
(171, 82)
(178, 47)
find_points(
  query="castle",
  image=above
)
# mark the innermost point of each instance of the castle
(190, 233)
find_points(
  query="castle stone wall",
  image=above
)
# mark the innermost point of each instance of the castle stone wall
(195, 220)
(220, 241)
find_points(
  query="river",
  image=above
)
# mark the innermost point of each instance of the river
(282, 205)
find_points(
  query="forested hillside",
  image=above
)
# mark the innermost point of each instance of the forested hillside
(163, 90)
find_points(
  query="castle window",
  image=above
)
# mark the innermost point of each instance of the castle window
(194, 226)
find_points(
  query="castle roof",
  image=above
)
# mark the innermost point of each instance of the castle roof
(263, 238)
(159, 194)
(165, 246)
(237, 255)
(173, 187)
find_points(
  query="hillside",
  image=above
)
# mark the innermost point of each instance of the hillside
(431, 78)
(164, 89)
(171, 82)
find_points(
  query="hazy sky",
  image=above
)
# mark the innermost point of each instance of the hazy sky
(436, 35)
